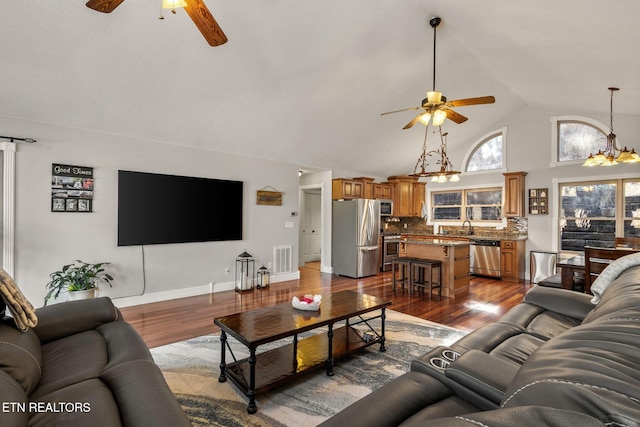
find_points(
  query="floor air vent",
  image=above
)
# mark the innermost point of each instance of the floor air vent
(282, 259)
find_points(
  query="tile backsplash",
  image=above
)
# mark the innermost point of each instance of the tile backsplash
(516, 228)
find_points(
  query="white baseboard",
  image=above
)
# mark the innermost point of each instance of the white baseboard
(190, 292)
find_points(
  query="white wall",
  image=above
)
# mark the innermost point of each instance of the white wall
(45, 240)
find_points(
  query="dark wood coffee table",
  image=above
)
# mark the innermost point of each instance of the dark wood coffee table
(262, 371)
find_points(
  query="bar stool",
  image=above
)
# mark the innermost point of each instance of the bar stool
(422, 275)
(404, 269)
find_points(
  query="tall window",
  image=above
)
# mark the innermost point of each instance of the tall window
(577, 138)
(487, 154)
(474, 205)
(594, 213)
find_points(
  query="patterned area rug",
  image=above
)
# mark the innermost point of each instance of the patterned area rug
(192, 368)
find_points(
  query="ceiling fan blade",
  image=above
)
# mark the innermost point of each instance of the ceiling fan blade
(398, 111)
(104, 6)
(205, 22)
(412, 122)
(471, 101)
(455, 117)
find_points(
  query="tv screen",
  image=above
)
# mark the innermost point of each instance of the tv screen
(157, 209)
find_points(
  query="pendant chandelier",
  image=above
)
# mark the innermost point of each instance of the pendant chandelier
(446, 172)
(608, 156)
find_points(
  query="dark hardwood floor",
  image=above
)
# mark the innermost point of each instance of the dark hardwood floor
(176, 320)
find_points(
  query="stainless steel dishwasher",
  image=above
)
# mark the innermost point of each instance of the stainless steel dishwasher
(485, 257)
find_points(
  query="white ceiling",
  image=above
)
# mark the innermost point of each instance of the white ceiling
(306, 81)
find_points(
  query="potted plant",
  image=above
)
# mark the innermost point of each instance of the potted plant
(79, 278)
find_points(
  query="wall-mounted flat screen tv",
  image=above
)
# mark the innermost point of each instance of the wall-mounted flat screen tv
(156, 209)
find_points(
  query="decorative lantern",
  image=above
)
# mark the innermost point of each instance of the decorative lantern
(244, 272)
(264, 277)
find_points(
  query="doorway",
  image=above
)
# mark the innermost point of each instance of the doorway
(311, 225)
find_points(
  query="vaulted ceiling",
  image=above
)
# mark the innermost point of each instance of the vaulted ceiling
(306, 81)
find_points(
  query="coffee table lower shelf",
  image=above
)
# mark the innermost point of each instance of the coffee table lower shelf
(280, 364)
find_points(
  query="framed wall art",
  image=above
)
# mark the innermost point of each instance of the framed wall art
(71, 188)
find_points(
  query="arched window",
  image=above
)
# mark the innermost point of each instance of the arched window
(488, 154)
(576, 140)
(574, 137)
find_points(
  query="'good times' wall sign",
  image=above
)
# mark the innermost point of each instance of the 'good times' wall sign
(71, 188)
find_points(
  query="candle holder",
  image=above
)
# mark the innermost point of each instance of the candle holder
(264, 278)
(244, 272)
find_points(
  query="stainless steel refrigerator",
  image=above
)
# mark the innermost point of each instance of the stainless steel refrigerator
(355, 233)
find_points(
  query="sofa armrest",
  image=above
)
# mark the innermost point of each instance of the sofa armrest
(568, 303)
(487, 375)
(68, 318)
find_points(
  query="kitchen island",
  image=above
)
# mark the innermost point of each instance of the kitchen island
(454, 255)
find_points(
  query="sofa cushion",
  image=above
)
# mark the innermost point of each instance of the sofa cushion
(132, 383)
(523, 416)
(86, 403)
(21, 356)
(23, 313)
(71, 360)
(14, 401)
(594, 369)
(68, 318)
(398, 401)
(622, 293)
(611, 272)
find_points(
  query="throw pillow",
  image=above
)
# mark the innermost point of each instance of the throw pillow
(611, 273)
(23, 313)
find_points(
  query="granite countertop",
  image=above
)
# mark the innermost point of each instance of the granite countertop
(437, 242)
(419, 236)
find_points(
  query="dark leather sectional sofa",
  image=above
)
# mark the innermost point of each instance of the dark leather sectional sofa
(554, 360)
(81, 366)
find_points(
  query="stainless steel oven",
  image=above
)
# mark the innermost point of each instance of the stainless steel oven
(386, 208)
(390, 249)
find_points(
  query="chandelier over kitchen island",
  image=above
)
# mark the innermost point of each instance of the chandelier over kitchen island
(446, 172)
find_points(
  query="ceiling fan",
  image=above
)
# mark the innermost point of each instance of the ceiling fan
(196, 9)
(435, 106)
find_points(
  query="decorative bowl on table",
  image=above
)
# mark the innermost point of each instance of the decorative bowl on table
(307, 302)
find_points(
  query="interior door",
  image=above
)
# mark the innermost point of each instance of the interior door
(312, 227)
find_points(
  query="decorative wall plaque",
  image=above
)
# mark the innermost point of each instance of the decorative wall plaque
(71, 188)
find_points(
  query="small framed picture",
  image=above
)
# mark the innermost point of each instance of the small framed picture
(72, 205)
(533, 193)
(84, 205)
(57, 205)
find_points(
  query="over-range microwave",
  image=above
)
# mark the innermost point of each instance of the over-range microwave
(386, 208)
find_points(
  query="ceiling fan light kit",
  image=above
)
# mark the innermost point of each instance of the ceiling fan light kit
(608, 156)
(196, 9)
(173, 4)
(436, 109)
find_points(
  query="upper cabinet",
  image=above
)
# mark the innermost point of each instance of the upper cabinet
(408, 195)
(382, 191)
(367, 186)
(347, 189)
(514, 196)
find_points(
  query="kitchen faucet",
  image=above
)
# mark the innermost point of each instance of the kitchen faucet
(470, 232)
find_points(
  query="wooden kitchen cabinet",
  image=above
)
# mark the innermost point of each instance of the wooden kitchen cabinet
(418, 197)
(512, 260)
(347, 189)
(408, 195)
(382, 191)
(514, 196)
(367, 186)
